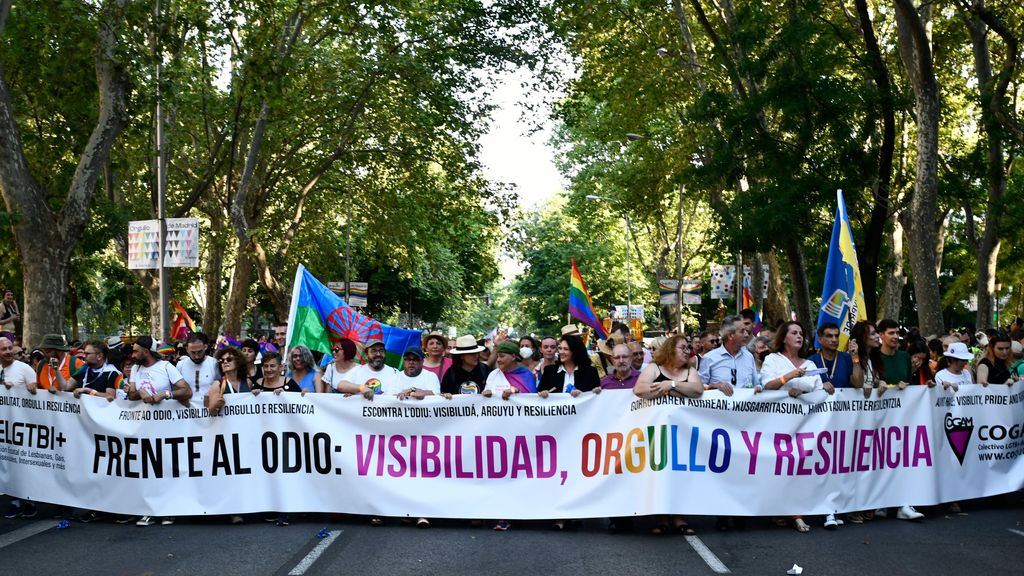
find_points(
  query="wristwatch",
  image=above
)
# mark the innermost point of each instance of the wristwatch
(168, 393)
(673, 384)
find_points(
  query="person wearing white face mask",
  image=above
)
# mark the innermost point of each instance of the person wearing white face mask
(529, 349)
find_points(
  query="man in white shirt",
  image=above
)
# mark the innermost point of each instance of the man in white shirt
(199, 369)
(154, 380)
(373, 377)
(730, 365)
(413, 381)
(14, 372)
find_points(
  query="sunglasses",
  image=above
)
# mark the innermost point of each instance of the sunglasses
(225, 360)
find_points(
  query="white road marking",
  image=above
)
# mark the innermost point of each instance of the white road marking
(1017, 532)
(315, 553)
(25, 532)
(709, 557)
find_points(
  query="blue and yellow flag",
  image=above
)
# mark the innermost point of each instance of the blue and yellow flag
(842, 294)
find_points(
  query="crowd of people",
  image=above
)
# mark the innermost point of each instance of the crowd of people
(879, 357)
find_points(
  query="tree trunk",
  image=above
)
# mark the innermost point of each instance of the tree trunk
(988, 247)
(776, 305)
(45, 239)
(915, 52)
(213, 273)
(895, 277)
(798, 279)
(73, 309)
(238, 294)
(45, 268)
(871, 249)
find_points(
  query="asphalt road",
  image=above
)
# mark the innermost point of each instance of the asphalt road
(988, 538)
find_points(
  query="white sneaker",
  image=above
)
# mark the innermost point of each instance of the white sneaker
(908, 513)
(830, 522)
(145, 521)
(167, 521)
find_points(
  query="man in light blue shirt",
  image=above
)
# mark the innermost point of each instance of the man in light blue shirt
(730, 365)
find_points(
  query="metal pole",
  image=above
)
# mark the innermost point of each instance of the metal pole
(629, 286)
(348, 248)
(161, 185)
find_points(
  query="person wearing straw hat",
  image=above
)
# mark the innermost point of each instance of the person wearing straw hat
(467, 375)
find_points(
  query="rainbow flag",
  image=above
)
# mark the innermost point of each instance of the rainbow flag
(749, 302)
(317, 316)
(842, 294)
(182, 325)
(580, 306)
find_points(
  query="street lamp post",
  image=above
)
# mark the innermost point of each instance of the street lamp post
(629, 286)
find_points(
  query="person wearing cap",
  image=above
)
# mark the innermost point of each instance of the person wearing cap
(55, 371)
(198, 368)
(414, 381)
(956, 371)
(994, 366)
(154, 380)
(467, 374)
(511, 377)
(574, 372)
(371, 378)
(435, 361)
(99, 378)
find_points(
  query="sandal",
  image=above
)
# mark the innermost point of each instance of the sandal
(801, 526)
(376, 521)
(954, 508)
(558, 525)
(780, 522)
(422, 523)
(660, 529)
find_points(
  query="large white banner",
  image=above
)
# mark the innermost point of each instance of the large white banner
(611, 454)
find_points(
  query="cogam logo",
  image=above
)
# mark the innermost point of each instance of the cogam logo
(958, 434)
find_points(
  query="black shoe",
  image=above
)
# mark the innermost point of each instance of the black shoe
(28, 510)
(13, 511)
(86, 517)
(722, 524)
(282, 520)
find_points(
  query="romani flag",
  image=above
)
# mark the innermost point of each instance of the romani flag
(580, 306)
(318, 316)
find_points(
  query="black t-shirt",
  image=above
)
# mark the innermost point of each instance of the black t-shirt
(100, 379)
(288, 386)
(997, 373)
(456, 376)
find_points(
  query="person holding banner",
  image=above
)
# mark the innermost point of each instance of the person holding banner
(787, 369)
(897, 362)
(574, 373)
(838, 366)
(669, 373)
(303, 368)
(234, 378)
(510, 377)
(372, 378)
(994, 367)
(414, 381)
(344, 352)
(868, 370)
(730, 365)
(197, 366)
(99, 377)
(467, 375)
(273, 380)
(435, 345)
(955, 372)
